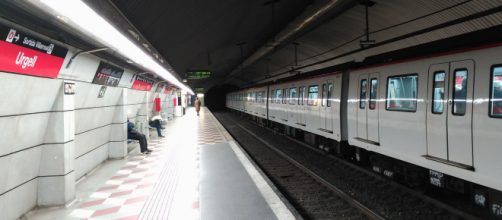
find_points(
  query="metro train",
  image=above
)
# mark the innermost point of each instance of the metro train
(427, 120)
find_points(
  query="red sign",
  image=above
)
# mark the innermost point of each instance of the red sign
(17, 59)
(21, 53)
(142, 83)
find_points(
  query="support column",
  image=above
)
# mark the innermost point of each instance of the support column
(143, 115)
(56, 182)
(117, 148)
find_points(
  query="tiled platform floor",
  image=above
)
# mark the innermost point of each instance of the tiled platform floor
(166, 183)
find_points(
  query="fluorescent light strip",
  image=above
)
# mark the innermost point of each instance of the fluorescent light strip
(96, 27)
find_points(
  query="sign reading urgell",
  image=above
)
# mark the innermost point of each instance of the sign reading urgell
(24, 54)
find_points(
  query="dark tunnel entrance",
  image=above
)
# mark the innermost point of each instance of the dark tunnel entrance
(215, 97)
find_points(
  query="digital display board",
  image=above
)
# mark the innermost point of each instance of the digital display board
(108, 75)
(200, 74)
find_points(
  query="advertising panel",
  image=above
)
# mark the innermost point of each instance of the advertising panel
(142, 83)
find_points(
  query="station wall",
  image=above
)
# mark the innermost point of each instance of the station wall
(49, 139)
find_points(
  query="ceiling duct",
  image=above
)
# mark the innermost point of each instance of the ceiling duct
(313, 16)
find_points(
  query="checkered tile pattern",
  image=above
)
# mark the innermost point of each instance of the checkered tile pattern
(209, 132)
(123, 195)
(162, 185)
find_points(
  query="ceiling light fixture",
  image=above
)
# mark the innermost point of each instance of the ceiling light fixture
(83, 18)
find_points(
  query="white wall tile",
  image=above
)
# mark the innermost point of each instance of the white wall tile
(56, 190)
(19, 167)
(19, 201)
(20, 132)
(89, 140)
(21, 94)
(89, 161)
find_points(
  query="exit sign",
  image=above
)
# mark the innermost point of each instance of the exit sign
(201, 74)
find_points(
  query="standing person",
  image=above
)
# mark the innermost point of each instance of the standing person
(197, 105)
(136, 135)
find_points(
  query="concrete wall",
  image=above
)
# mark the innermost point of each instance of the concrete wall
(49, 139)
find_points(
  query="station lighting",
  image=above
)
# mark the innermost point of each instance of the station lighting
(85, 19)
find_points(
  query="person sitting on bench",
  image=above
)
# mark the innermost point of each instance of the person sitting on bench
(156, 123)
(132, 133)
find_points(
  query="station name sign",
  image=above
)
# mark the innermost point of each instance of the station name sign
(108, 75)
(25, 54)
(142, 83)
(200, 74)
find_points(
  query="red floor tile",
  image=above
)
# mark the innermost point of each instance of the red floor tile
(133, 200)
(120, 193)
(108, 188)
(133, 217)
(106, 211)
(119, 176)
(132, 180)
(91, 203)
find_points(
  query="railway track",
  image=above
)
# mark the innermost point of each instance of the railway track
(326, 187)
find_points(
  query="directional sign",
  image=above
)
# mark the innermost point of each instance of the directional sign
(25, 54)
(200, 74)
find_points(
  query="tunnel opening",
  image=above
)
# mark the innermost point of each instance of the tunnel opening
(215, 97)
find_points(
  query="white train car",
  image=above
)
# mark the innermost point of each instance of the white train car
(439, 116)
(443, 113)
(312, 105)
(255, 101)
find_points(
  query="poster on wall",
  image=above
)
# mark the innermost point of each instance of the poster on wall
(142, 83)
(28, 55)
(108, 75)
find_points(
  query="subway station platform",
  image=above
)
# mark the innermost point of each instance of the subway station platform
(196, 172)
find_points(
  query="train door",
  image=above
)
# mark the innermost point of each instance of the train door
(367, 110)
(302, 100)
(285, 107)
(449, 116)
(325, 112)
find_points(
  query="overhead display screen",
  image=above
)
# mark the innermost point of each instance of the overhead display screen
(28, 55)
(201, 74)
(108, 75)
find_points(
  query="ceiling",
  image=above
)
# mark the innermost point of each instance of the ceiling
(206, 35)
(246, 42)
(209, 35)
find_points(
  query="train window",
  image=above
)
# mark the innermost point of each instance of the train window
(313, 94)
(402, 93)
(496, 92)
(438, 92)
(373, 93)
(292, 96)
(330, 93)
(362, 93)
(324, 94)
(258, 97)
(459, 92)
